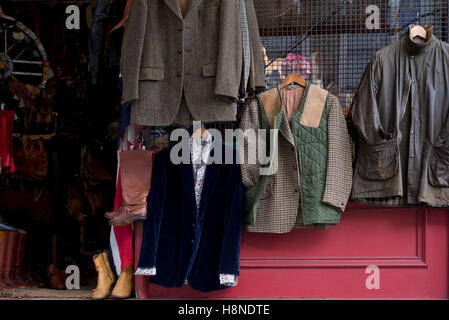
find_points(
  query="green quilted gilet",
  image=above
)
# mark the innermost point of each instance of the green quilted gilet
(312, 147)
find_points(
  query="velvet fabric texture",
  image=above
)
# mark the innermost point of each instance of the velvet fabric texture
(184, 244)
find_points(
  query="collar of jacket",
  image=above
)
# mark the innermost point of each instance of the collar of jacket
(176, 8)
(417, 48)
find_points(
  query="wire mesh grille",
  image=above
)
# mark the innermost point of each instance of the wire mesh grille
(330, 42)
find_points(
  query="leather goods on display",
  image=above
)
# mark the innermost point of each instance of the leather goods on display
(94, 178)
(105, 276)
(31, 159)
(123, 287)
(136, 167)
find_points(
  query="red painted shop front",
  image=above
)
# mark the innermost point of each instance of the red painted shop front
(332, 45)
(408, 245)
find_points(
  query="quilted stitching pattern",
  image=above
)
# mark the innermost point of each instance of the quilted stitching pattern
(312, 147)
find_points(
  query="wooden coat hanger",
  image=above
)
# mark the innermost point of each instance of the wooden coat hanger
(293, 78)
(417, 30)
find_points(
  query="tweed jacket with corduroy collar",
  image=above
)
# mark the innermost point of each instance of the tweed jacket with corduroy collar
(279, 209)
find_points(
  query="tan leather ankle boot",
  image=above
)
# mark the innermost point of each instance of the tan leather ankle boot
(124, 286)
(105, 276)
(136, 168)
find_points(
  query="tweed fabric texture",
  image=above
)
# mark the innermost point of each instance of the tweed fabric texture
(279, 208)
(339, 164)
(245, 43)
(201, 59)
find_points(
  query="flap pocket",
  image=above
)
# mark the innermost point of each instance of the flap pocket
(210, 70)
(378, 161)
(151, 74)
(439, 167)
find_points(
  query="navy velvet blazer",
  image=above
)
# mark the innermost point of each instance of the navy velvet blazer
(183, 244)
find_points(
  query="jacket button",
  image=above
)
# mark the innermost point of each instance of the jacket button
(179, 51)
(296, 190)
(295, 167)
(179, 75)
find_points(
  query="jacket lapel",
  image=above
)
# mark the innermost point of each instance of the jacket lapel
(174, 6)
(285, 129)
(187, 181)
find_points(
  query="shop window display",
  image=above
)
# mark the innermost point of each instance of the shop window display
(88, 95)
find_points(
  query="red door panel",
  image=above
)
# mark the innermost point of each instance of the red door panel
(410, 247)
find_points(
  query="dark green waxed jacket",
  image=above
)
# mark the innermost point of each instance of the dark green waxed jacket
(400, 113)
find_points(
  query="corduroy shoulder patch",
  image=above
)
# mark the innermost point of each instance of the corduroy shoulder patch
(314, 106)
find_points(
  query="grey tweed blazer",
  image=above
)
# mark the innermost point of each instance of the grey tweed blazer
(199, 56)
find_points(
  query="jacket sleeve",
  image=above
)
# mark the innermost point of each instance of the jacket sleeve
(365, 114)
(156, 200)
(230, 252)
(339, 164)
(251, 121)
(258, 65)
(230, 52)
(133, 42)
